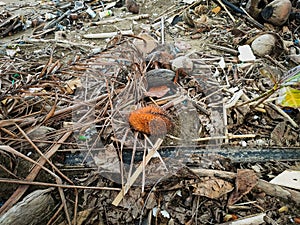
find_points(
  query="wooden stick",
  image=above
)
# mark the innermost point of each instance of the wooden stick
(138, 171)
(255, 219)
(138, 17)
(162, 32)
(108, 35)
(225, 8)
(222, 48)
(284, 114)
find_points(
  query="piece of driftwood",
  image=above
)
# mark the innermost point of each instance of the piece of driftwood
(33, 209)
(277, 191)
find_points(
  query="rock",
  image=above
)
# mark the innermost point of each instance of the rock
(277, 12)
(264, 44)
(183, 62)
(132, 6)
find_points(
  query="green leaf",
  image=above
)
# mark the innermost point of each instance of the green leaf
(82, 138)
(289, 97)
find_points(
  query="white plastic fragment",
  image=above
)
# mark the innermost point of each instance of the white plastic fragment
(105, 13)
(288, 178)
(222, 63)
(91, 12)
(246, 53)
(11, 52)
(189, 1)
(179, 193)
(165, 214)
(236, 96)
(243, 143)
(50, 16)
(155, 211)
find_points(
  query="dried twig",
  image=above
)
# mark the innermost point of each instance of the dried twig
(108, 35)
(115, 20)
(222, 48)
(135, 175)
(225, 8)
(284, 114)
(36, 183)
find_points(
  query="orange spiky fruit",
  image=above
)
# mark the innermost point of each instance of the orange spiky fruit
(150, 120)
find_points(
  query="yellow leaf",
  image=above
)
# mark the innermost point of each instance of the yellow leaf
(216, 10)
(289, 97)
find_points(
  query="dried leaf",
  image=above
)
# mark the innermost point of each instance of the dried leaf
(83, 215)
(71, 85)
(245, 181)
(107, 161)
(230, 217)
(157, 91)
(283, 209)
(147, 44)
(277, 134)
(212, 187)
